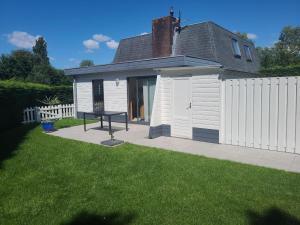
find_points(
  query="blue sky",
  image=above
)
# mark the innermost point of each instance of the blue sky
(76, 30)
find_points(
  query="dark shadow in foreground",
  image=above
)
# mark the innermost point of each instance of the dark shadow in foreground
(10, 140)
(85, 218)
(272, 216)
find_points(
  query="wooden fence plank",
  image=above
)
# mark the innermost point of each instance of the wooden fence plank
(282, 114)
(249, 115)
(228, 111)
(257, 113)
(265, 104)
(242, 112)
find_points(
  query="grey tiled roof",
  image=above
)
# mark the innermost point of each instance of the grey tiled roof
(139, 47)
(205, 40)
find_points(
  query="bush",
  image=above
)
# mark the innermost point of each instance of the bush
(16, 95)
(292, 70)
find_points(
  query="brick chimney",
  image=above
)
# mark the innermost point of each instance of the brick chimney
(162, 35)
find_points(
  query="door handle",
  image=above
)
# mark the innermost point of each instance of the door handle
(190, 106)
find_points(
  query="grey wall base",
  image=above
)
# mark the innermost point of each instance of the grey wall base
(206, 135)
(161, 130)
(199, 134)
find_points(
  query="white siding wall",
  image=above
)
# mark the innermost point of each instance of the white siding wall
(262, 113)
(205, 101)
(166, 100)
(84, 96)
(115, 96)
(156, 109)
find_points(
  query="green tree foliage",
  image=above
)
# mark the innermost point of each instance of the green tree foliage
(40, 51)
(18, 64)
(285, 52)
(86, 62)
(244, 35)
(31, 66)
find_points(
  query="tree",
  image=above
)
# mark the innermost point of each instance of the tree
(17, 65)
(244, 36)
(285, 52)
(40, 51)
(86, 62)
(267, 56)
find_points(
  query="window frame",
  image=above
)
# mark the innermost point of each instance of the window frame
(248, 53)
(236, 48)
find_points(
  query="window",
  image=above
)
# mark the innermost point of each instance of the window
(98, 95)
(236, 48)
(248, 53)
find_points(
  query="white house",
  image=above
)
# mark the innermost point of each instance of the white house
(170, 79)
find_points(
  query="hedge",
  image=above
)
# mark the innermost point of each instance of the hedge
(17, 95)
(292, 70)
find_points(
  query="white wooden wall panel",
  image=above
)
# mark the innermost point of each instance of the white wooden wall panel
(262, 113)
(84, 96)
(228, 104)
(166, 100)
(115, 96)
(249, 113)
(282, 102)
(273, 132)
(297, 150)
(265, 106)
(206, 101)
(242, 113)
(257, 113)
(291, 115)
(235, 112)
(156, 109)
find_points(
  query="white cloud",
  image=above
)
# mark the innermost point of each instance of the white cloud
(112, 44)
(90, 45)
(252, 36)
(51, 58)
(144, 33)
(101, 38)
(94, 42)
(21, 39)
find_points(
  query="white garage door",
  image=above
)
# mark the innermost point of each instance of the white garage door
(182, 117)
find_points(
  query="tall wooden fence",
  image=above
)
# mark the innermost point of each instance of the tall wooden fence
(261, 113)
(37, 114)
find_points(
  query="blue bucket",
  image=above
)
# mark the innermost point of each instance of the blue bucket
(48, 126)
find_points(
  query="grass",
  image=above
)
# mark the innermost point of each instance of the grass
(49, 180)
(71, 122)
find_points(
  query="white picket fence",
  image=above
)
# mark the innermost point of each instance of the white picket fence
(261, 113)
(37, 114)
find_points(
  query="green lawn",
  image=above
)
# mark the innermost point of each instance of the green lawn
(50, 180)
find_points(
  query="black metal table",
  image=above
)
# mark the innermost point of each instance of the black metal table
(109, 114)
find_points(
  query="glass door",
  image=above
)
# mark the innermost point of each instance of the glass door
(141, 96)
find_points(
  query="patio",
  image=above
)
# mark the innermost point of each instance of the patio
(138, 134)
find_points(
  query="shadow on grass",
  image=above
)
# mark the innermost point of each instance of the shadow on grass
(272, 216)
(85, 218)
(11, 139)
